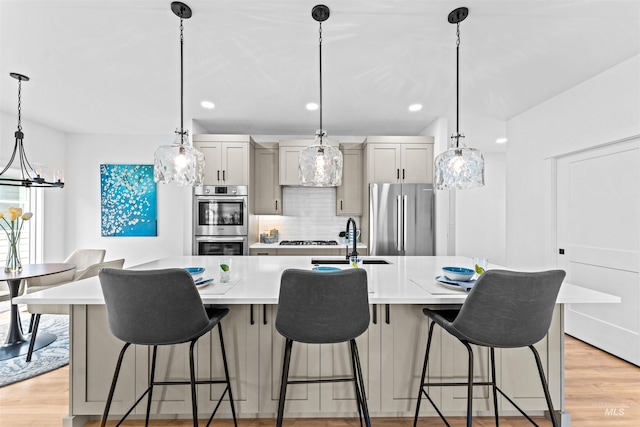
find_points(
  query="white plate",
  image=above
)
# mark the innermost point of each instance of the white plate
(202, 282)
(452, 284)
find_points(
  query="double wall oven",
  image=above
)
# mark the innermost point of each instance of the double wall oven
(220, 220)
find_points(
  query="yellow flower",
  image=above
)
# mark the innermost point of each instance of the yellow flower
(26, 216)
(17, 212)
(1, 215)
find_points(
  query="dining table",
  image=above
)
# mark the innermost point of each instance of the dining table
(16, 343)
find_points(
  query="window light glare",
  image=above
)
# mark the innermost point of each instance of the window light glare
(207, 104)
(415, 107)
(312, 106)
(501, 140)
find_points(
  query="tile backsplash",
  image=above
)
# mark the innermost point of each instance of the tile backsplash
(308, 214)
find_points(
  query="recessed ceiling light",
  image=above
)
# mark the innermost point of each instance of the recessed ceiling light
(207, 104)
(501, 140)
(312, 106)
(415, 107)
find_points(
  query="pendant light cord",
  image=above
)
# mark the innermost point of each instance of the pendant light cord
(320, 62)
(458, 85)
(181, 84)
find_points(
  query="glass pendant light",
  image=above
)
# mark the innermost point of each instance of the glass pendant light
(320, 164)
(29, 176)
(179, 163)
(460, 167)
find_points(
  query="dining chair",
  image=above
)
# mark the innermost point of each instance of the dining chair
(174, 315)
(317, 307)
(37, 310)
(504, 309)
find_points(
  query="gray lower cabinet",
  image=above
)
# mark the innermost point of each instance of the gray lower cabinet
(391, 354)
(305, 362)
(241, 338)
(95, 352)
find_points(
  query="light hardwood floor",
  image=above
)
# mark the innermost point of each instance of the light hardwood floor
(601, 390)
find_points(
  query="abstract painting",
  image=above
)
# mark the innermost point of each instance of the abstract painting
(128, 200)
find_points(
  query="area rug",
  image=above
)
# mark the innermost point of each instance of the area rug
(51, 357)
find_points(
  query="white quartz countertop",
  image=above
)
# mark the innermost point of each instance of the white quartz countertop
(256, 280)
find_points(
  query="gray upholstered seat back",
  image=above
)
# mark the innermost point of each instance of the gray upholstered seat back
(323, 307)
(509, 308)
(152, 307)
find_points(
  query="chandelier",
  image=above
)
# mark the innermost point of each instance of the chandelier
(29, 176)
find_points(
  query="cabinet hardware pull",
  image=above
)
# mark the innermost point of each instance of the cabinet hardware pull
(386, 312)
(264, 314)
(218, 174)
(223, 176)
(340, 204)
(251, 321)
(375, 314)
(397, 173)
(402, 173)
(276, 205)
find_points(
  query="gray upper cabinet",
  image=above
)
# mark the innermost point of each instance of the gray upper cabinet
(289, 152)
(349, 194)
(399, 159)
(266, 187)
(226, 158)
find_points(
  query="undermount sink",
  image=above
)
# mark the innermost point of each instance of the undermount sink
(345, 261)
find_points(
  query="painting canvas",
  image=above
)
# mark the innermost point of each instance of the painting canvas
(128, 200)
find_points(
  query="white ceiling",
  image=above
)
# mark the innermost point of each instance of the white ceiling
(112, 67)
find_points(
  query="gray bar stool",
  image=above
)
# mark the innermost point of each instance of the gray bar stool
(317, 307)
(160, 307)
(505, 309)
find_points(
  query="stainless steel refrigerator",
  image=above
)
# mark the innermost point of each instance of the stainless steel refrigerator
(401, 219)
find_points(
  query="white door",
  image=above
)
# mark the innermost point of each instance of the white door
(598, 218)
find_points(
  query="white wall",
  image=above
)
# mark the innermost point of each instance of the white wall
(47, 147)
(82, 221)
(603, 109)
(481, 214)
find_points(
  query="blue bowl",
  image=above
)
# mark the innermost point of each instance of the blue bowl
(194, 271)
(323, 268)
(458, 274)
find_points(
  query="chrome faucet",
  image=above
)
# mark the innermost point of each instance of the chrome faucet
(351, 222)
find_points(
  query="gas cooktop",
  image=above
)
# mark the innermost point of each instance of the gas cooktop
(308, 242)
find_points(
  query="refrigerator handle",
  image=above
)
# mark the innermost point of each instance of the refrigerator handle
(404, 222)
(398, 224)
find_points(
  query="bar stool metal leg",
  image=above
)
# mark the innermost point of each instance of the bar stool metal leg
(363, 395)
(33, 328)
(494, 387)
(469, 385)
(192, 378)
(424, 375)
(283, 382)
(226, 373)
(354, 369)
(152, 378)
(113, 385)
(545, 386)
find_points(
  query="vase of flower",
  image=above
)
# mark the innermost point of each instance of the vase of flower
(12, 223)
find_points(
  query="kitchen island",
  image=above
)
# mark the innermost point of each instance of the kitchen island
(391, 350)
